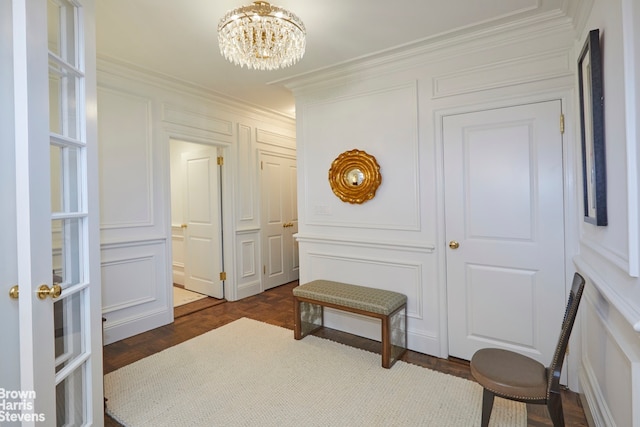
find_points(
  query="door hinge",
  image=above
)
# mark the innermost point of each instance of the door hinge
(264, 269)
(220, 160)
(223, 275)
(261, 165)
(562, 123)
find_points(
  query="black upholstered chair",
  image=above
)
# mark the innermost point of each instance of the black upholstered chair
(513, 376)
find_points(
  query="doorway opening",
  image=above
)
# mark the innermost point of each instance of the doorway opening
(196, 226)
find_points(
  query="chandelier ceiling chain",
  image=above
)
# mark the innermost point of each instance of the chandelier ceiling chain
(261, 37)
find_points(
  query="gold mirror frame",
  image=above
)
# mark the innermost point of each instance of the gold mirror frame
(354, 176)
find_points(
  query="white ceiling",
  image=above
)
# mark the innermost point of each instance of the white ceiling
(178, 37)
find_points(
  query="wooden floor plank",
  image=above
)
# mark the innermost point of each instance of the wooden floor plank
(275, 307)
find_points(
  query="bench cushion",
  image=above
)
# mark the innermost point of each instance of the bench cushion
(373, 300)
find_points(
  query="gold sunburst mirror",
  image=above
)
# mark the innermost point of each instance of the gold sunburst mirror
(354, 176)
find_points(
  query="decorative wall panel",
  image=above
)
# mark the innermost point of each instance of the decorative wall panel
(275, 139)
(246, 181)
(248, 265)
(388, 134)
(504, 73)
(181, 116)
(135, 288)
(126, 172)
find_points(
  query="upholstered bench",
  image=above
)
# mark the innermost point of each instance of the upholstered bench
(388, 306)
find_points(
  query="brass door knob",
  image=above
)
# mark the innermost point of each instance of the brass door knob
(14, 292)
(54, 292)
(183, 225)
(454, 245)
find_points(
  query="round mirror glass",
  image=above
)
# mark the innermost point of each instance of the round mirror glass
(354, 177)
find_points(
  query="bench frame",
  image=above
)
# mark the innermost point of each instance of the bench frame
(387, 346)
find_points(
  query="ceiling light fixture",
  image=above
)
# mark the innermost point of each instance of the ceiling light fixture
(261, 36)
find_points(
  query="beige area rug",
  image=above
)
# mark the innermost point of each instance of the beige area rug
(249, 373)
(182, 296)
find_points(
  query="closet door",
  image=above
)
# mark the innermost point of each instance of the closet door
(279, 219)
(504, 229)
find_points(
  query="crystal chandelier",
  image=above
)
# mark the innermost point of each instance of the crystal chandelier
(261, 36)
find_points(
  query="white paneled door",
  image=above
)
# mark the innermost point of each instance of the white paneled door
(504, 229)
(279, 219)
(56, 224)
(202, 227)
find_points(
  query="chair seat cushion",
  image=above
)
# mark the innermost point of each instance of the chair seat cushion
(510, 374)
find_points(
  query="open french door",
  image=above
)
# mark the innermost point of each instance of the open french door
(57, 255)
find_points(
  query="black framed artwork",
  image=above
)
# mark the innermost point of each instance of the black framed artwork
(594, 178)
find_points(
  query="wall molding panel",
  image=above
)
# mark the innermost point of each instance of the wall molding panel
(249, 274)
(246, 160)
(125, 127)
(248, 249)
(278, 140)
(192, 119)
(390, 135)
(623, 304)
(383, 273)
(526, 69)
(407, 270)
(367, 243)
(132, 268)
(610, 363)
(135, 287)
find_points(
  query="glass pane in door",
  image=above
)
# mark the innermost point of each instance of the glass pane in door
(63, 93)
(69, 397)
(62, 20)
(69, 330)
(66, 190)
(67, 239)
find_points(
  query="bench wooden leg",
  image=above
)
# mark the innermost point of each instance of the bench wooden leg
(297, 321)
(386, 343)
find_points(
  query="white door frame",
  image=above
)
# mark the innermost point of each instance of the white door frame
(571, 157)
(173, 132)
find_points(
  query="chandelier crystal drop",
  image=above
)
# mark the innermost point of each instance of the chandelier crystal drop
(261, 36)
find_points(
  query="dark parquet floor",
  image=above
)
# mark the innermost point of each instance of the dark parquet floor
(275, 307)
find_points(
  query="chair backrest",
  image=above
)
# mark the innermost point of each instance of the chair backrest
(570, 313)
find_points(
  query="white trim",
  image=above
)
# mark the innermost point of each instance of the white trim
(629, 312)
(631, 47)
(363, 242)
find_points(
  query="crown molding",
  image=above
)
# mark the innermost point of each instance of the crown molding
(439, 47)
(130, 71)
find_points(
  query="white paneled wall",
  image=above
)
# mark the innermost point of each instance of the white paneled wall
(609, 259)
(393, 109)
(142, 253)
